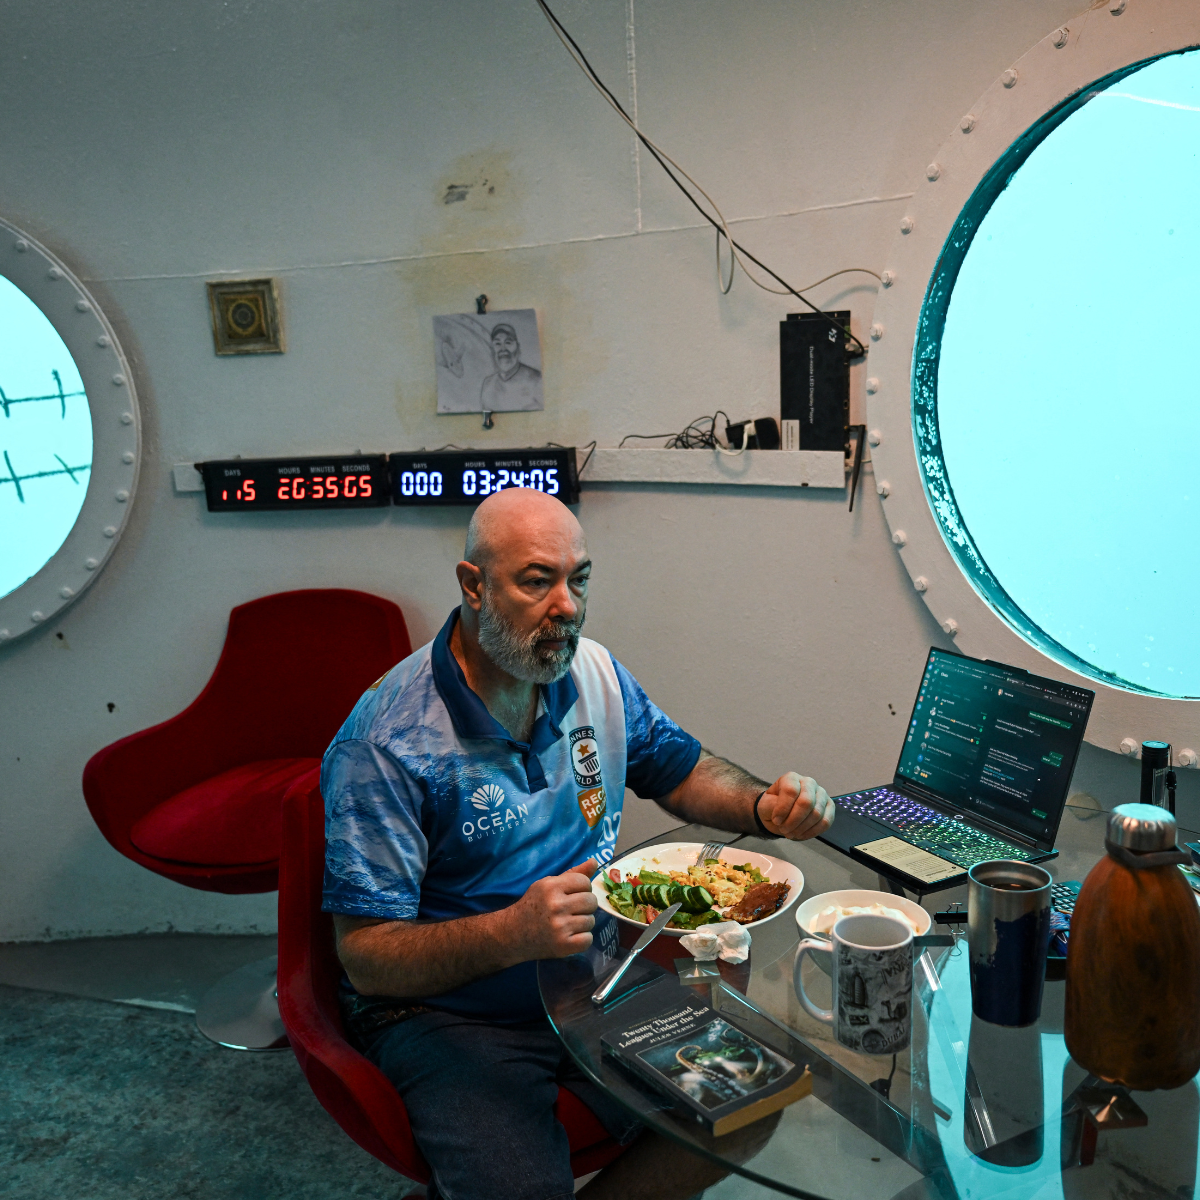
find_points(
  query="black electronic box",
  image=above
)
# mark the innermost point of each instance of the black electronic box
(814, 382)
(469, 476)
(243, 484)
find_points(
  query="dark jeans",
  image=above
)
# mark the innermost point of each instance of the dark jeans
(480, 1098)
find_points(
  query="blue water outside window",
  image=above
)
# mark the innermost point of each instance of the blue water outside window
(45, 439)
(1056, 397)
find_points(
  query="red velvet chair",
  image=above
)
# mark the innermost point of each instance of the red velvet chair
(197, 798)
(352, 1090)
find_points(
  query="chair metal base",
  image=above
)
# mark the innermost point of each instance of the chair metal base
(241, 1011)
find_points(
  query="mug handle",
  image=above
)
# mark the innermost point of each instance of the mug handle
(821, 1014)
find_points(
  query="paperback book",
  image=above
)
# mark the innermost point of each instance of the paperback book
(715, 1072)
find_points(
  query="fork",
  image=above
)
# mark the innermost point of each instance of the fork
(710, 850)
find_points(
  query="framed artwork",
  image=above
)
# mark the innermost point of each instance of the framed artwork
(245, 316)
(488, 362)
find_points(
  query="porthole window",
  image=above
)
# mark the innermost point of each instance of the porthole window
(1055, 401)
(45, 439)
(69, 435)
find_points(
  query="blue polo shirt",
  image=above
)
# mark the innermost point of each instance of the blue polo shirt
(433, 811)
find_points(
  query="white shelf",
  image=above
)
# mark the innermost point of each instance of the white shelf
(755, 468)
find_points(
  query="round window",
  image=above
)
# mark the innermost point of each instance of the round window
(45, 439)
(70, 441)
(1054, 402)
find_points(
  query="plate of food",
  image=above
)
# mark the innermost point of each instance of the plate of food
(738, 886)
(818, 915)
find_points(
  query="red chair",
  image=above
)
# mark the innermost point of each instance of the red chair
(352, 1090)
(197, 798)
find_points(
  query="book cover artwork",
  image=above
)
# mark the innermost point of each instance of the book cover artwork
(722, 1075)
(716, 1064)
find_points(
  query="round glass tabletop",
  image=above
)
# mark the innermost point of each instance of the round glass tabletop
(969, 1110)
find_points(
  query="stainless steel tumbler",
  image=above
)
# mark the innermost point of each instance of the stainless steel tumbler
(1008, 932)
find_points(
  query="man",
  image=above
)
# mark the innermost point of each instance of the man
(514, 385)
(470, 796)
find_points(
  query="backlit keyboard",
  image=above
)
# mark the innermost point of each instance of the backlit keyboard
(1064, 895)
(947, 837)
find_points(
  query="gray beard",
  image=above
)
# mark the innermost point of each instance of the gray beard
(521, 656)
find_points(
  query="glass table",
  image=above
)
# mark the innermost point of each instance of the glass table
(969, 1111)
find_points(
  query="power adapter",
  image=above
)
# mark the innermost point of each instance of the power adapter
(760, 434)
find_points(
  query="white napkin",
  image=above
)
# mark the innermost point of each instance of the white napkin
(726, 939)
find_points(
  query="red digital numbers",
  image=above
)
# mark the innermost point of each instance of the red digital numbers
(245, 493)
(323, 488)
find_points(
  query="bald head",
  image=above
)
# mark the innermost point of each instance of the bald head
(520, 523)
(524, 579)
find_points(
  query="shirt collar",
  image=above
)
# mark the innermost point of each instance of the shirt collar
(469, 714)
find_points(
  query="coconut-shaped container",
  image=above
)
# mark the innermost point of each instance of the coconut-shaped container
(1133, 959)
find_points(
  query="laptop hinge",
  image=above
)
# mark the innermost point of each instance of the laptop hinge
(915, 789)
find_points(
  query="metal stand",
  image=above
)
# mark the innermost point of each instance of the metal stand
(1092, 1109)
(241, 1011)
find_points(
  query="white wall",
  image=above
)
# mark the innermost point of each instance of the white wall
(157, 145)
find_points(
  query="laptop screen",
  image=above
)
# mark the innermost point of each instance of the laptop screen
(995, 742)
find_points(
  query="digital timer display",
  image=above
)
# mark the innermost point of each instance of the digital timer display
(241, 484)
(469, 476)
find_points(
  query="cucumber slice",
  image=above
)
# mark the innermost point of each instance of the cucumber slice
(664, 892)
(698, 899)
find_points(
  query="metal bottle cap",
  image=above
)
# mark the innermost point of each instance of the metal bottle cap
(1141, 827)
(1156, 754)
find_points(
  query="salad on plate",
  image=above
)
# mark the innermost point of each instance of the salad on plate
(707, 892)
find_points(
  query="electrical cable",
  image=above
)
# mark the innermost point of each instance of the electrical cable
(884, 1086)
(724, 287)
(695, 436)
(736, 249)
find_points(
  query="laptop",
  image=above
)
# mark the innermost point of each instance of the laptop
(984, 770)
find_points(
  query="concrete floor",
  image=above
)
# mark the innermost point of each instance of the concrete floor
(157, 970)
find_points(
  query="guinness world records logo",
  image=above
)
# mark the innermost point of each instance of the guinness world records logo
(585, 762)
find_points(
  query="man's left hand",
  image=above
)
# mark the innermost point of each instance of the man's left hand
(796, 807)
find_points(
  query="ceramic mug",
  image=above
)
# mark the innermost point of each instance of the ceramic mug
(872, 983)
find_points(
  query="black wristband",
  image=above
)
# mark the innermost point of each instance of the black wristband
(762, 829)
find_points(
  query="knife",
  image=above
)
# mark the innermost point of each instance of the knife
(660, 923)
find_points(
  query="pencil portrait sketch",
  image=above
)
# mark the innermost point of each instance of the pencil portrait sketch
(488, 362)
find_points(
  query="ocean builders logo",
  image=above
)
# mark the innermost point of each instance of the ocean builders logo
(585, 762)
(495, 813)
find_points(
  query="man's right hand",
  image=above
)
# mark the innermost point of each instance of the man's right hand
(554, 917)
